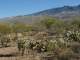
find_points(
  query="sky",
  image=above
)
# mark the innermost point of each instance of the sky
(24, 7)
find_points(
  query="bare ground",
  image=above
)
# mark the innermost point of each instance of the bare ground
(10, 53)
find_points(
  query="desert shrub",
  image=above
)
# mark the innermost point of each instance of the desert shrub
(54, 44)
(5, 41)
(50, 46)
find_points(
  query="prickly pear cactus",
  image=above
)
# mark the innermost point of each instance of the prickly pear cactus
(72, 36)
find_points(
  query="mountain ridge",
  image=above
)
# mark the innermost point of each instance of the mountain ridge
(64, 13)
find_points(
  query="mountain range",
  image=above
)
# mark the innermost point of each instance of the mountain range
(64, 13)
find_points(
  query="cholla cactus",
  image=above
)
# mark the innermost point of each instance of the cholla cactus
(22, 44)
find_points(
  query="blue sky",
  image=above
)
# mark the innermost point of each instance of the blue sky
(23, 7)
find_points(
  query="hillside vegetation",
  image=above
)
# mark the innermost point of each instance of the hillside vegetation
(48, 39)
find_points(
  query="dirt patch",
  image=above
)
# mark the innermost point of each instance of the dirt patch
(8, 51)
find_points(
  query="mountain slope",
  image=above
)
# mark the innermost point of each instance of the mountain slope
(65, 13)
